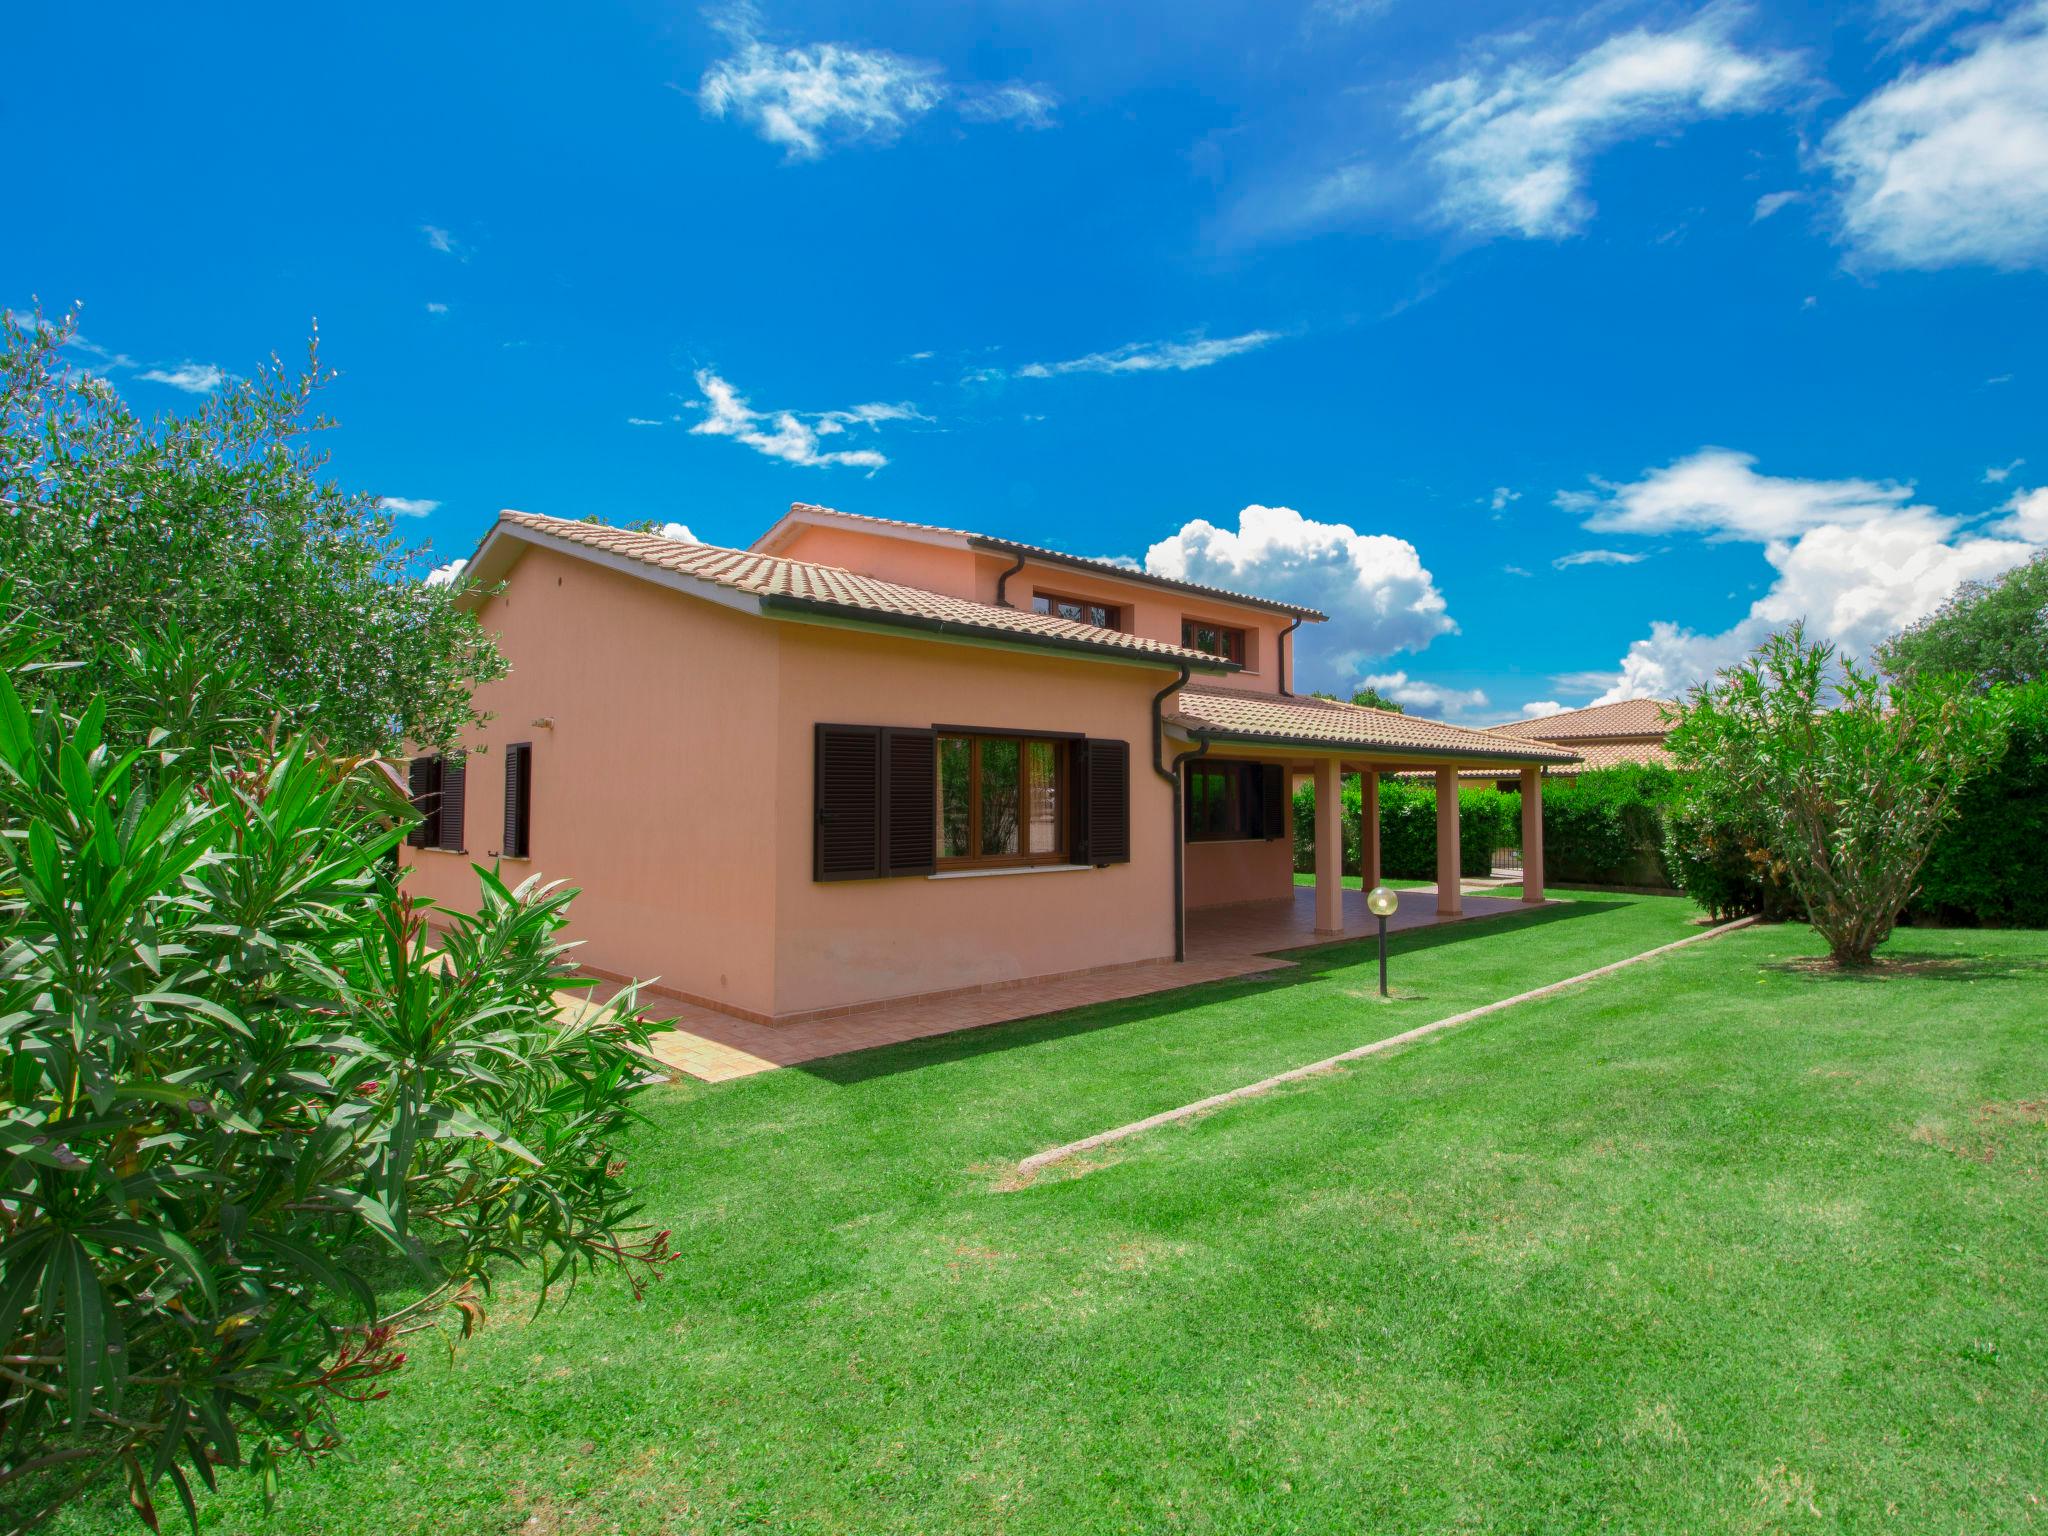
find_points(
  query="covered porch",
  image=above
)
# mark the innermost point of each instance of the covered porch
(1325, 741)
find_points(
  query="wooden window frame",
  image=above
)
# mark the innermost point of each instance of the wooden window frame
(1235, 638)
(1062, 782)
(1115, 611)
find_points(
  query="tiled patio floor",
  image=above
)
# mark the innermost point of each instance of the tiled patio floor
(1222, 942)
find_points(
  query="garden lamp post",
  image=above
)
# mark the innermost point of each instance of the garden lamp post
(1381, 902)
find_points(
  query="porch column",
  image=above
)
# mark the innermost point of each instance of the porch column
(1532, 834)
(1369, 825)
(1450, 899)
(1329, 846)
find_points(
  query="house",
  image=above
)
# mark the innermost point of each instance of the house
(866, 760)
(1603, 735)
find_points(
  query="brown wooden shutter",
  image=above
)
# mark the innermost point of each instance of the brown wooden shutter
(448, 829)
(518, 799)
(910, 801)
(1104, 803)
(423, 778)
(847, 788)
(1272, 801)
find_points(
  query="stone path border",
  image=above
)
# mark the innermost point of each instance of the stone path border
(1038, 1160)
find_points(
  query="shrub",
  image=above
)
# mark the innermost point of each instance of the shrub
(1849, 784)
(1487, 820)
(235, 1078)
(1986, 868)
(1607, 827)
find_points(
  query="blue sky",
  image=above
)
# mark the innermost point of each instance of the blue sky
(1559, 353)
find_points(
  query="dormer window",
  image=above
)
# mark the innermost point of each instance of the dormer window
(1215, 639)
(1078, 610)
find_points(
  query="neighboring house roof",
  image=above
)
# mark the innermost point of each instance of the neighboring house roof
(1630, 717)
(777, 587)
(805, 512)
(1593, 756)
(1313, 722)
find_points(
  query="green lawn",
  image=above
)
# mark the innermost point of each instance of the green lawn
(1717, 1244)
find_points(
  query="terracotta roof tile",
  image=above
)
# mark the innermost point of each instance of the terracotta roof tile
(799, 583)
(1332, 722)
(1060, 557)
(1630, 717)
(1592, 757)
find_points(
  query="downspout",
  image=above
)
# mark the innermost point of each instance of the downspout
(1003, 581)
(1286, 656)
(1172, 775)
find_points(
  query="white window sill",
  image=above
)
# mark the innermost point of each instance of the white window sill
(1015, 869)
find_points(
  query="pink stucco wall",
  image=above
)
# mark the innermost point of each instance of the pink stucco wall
(1245, 870)
(675, 788)
(653, 790)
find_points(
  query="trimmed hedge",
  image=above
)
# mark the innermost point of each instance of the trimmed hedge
(1607, 827)
(1988, 867)
(1487, 820)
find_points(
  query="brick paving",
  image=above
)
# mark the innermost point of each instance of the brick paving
(1222, 942)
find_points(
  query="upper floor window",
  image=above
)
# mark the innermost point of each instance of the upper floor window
(1216, 639)
(1080, 610)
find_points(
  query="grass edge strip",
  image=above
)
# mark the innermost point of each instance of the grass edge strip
(1038, 1160)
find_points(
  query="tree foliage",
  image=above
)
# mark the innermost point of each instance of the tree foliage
(247, 1099)
(221, 526)
(1991, 631)
(1838, 785)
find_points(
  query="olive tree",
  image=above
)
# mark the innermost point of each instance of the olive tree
(1845, 783)
(223, 526)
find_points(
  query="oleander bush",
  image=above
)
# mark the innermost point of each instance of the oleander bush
(258, 1124)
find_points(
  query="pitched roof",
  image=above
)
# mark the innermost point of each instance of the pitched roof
(1316, 722)
(796, 587)
(1039, 552)
(1630, 717)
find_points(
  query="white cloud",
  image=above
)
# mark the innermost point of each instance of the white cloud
(1412, 693)
(1512, 148)
(434, 307)
(1855, 559)
(406, 506)
(1028, 106)
(2026, 516)
(644, 421)
(1515, 570)
(439, 239)
(444, 575)
(1379, 597)
(1536, 709)
(1155, 356)
(809, 99)
(1598, 557)
(1998, 474)
(1719, 493)
(1502, 496)
(192, 378)
(1948, 164)
(792, 436)
(1771, 202)
(679, 531)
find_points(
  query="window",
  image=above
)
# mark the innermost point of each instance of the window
(1215, 639)
(1002, 800)
(1234, 801)
(518, 800)
(1081, 610)
(437, 785)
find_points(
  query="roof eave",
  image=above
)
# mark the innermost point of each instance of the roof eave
(1099, 568)
(1379, 749)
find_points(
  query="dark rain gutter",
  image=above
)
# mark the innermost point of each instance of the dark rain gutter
(1003, 581)
(1172, 776)
(1286, 655)
(779, 602)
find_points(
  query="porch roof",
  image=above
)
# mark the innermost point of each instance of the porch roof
(1285, 720)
